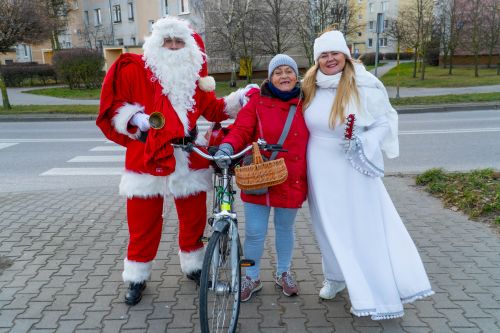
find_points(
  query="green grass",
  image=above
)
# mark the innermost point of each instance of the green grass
(67, 93)
(476, 193)
(43, 109)
(380, 64)
(438, 77)
(446, 99)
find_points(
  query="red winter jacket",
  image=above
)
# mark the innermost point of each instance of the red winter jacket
(264, 117)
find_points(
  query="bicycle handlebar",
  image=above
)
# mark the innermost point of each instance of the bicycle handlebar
(189, 147)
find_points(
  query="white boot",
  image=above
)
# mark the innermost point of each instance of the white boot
(331, 288)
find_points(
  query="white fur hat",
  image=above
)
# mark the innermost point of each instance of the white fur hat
(330, 41)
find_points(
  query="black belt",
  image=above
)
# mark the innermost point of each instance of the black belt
(191, 138)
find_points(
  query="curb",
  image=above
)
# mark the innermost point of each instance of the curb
(406, 109)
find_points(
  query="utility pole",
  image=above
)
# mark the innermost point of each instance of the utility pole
(380, 28)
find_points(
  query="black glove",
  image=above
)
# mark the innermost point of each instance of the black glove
(225, 149)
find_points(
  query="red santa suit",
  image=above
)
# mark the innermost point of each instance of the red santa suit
(174, 83)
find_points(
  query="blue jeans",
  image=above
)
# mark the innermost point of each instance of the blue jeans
(256, 222)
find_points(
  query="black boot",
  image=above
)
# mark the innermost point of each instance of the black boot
(134, 292)
(195, 276)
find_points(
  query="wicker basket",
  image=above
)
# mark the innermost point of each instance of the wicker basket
(260, 173)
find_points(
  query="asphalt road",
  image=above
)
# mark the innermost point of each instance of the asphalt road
(74, 154)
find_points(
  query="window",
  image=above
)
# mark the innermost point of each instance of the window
(117, 14)
(165, 3)
(370, 7)
(97, 14)
(184, 6)
(130, 11)
(359, 34)
(386, 24)
(75, 4)
(384, 6)
(150, 25)
(382, 41)
(100, 43)
(133, 41)
(119, 41)
(370, 42)
(360, 17)
(371, 25)
(25, 50)
(86, 17)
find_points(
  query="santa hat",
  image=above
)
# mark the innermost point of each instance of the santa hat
(331, 41)
(170, 26)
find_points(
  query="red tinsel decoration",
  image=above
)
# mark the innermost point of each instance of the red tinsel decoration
(349, 126)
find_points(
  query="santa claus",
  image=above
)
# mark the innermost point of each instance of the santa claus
(171, 79)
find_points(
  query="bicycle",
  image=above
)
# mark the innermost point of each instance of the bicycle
(221, 272)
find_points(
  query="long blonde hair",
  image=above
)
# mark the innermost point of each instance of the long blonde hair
(346, 91)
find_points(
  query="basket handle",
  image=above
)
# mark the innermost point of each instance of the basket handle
(257, 157)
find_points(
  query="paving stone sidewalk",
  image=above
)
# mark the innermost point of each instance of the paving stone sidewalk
(67, 247)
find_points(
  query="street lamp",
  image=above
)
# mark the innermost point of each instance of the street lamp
(379, 29)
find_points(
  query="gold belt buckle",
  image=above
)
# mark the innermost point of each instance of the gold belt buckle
(156, 120)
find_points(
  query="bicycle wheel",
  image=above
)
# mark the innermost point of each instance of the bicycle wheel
(220, 285)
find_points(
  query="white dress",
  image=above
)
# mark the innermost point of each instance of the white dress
(361, 236)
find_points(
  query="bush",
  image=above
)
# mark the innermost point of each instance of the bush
(79, 67)
(402, 56)
(432, 57)
(368, 59)
(17, 74)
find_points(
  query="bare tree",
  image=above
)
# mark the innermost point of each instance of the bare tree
(57, 13)
(399, 30)
(473, 40)
(277, 33)
(21, 21)
(249, 43)
(492, 29)
(451, 26)
(92, 35)
(225, 22)
(317, 16)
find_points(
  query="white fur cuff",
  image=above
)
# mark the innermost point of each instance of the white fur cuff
(191, 261)
(135, 271)
(133, 184)
(123, 115)
(233, 104)
(206, 83)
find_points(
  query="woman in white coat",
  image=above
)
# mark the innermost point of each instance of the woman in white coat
(363, 242)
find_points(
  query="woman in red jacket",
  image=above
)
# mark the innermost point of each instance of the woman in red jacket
(264, 117)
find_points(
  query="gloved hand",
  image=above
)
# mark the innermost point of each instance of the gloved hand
(225, 149)
(243, 93)
(140, 120)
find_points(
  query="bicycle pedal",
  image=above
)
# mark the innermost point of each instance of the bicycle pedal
(247, 263)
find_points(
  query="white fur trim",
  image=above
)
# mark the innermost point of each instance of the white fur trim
(233, 104)
(207, 83)
(185, 181)
(142, 185)
(134, 271)
(123, 115)
(191, 261)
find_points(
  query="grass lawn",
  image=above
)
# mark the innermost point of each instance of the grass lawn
(438, 77)
(446, 99)
(380, 64)
(67, 93)
(33, 109)
(475, 193)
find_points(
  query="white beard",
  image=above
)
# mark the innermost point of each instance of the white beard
(177, 71)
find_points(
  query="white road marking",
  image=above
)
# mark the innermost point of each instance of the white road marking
(450, 131)
(6, 145)
(98, 159)
(108, 148)
(83, 172)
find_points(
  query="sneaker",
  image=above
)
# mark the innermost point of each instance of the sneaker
(288, 284)
(331, 288)
(248, 287)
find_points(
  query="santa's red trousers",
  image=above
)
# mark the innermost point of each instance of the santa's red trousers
(145, 221)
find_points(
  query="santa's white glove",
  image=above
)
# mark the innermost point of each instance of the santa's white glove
(243, 93)
(140, 120)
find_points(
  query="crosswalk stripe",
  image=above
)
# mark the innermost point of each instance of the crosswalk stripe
(451, 131)
(98, 159)
(108, 148)
(83, 172)
(5, 145)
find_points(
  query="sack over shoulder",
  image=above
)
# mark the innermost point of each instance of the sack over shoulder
(255, 178)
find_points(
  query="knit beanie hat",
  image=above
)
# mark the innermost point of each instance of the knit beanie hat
(281, 60)
(331, 41)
